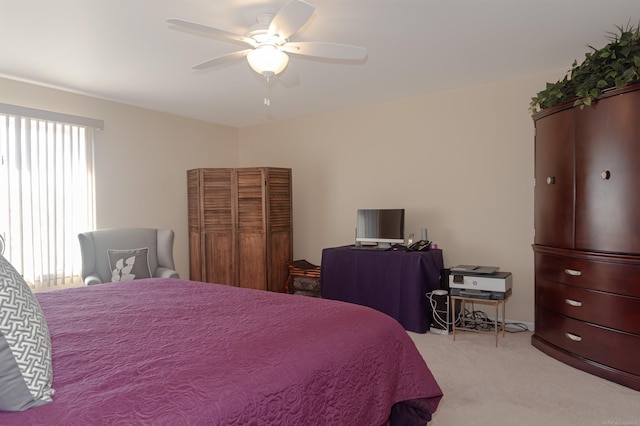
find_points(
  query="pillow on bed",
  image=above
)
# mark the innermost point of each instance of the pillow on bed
(127, 265)
(25, 345)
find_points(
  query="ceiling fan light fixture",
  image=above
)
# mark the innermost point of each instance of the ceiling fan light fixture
(267, 60)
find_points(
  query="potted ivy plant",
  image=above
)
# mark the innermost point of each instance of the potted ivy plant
(615, 65)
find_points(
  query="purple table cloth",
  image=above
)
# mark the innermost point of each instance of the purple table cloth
(176, 352)
(393, 282)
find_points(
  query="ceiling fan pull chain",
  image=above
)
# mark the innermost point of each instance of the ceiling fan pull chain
(267, 96)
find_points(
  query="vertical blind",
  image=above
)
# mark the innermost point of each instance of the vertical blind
(47, 197)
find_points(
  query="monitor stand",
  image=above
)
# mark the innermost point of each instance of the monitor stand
(377, 246)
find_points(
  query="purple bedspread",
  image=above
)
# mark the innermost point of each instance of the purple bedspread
(176, 352)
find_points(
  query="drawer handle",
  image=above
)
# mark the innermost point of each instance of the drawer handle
(573, 302)
(573, 272)
(551, 180)
(605, 175)
(573, 337)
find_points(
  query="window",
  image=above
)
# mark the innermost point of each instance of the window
(46, 193)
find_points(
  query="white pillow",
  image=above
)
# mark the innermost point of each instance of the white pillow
(127, 265)
(26, 372)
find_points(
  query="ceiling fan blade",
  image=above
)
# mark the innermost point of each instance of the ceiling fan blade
(326, 50)
(222, 59)
(189, 26)
(290, 18)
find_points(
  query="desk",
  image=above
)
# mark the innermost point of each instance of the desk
(393, 282)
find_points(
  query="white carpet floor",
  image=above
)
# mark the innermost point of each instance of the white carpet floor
(515, 384)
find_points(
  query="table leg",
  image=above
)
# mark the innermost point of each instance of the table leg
(495, 324)
(504, 324)
(453, 316)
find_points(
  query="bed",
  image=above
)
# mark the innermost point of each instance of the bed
(179, 352)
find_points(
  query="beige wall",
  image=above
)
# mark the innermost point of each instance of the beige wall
(141, 159)
(460, 162)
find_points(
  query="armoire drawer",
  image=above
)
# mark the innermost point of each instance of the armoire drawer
(619, 278)
(606, 309)
(609, 347)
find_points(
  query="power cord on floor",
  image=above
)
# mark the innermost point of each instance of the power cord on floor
(479, 320)
(474, 319)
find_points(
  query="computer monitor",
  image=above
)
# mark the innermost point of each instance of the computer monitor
(383, 227)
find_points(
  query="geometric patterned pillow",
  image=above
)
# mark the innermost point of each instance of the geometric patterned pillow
(127, 265)
(26, 372)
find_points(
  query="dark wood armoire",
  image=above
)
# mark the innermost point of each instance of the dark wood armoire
(240, 226)
(587, 235)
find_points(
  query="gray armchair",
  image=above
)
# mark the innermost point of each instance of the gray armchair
(94, 245)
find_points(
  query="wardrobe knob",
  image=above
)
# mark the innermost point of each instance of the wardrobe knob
(551, 180)
(605, 174)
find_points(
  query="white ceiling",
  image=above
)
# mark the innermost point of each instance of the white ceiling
(124, 51)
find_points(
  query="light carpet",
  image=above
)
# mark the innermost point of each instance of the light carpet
(515, 384)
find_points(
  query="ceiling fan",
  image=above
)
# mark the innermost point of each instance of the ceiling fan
(268, 41)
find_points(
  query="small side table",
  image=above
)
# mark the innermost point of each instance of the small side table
(466, 324)
(304, 278)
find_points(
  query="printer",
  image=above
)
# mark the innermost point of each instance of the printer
(484, 282)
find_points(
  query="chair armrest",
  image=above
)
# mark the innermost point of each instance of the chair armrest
(92, 279)
(163, 272)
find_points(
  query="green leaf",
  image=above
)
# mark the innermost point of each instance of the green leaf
(615, 65)
(628, 74)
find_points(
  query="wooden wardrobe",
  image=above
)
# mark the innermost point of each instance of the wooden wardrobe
(587, 235)
(240, 226)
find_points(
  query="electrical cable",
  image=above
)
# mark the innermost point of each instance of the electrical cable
(474, 319)
(438, 320)
(481, 321)
(442, 323)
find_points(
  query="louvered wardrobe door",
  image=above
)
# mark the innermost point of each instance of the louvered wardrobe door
(250, 229)
(279, 227)
(211, 225)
